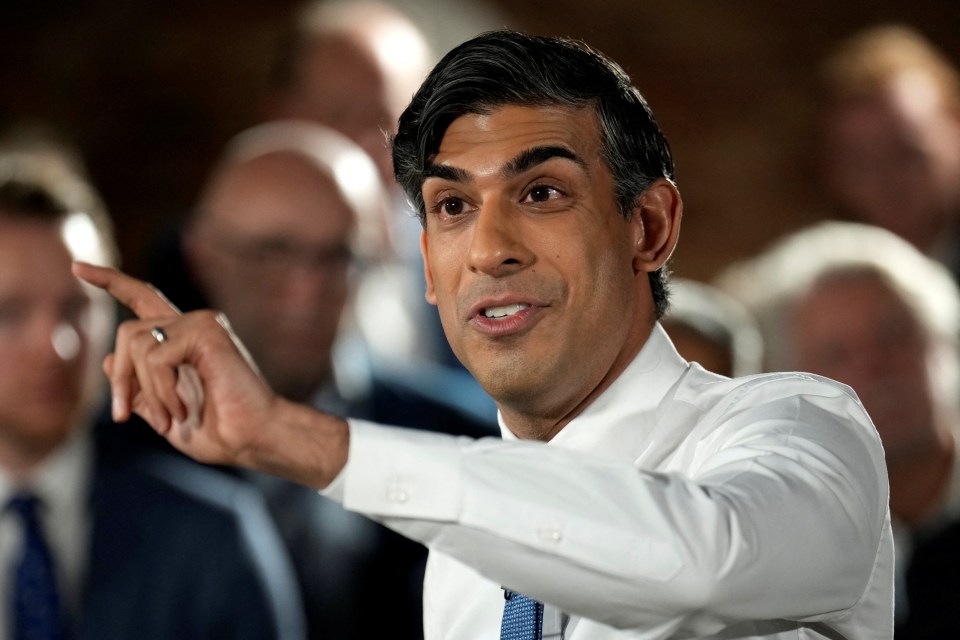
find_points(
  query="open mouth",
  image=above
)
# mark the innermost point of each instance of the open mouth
(505, 311)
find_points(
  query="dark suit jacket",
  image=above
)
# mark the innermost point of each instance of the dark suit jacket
(346, 566)
(933, 587)
(180, 552)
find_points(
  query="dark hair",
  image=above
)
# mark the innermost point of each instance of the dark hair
(22, 198)
(509, 68)
(45, 186)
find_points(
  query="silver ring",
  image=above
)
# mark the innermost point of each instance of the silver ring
(159, 335)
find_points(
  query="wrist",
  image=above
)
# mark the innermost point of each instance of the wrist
(301, 444)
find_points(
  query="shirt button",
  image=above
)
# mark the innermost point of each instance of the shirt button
(396, 492)
(550, 534)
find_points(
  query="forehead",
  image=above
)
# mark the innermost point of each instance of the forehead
(336, 62)
(854, 295)
(34, 257)
(910, 102)
(483, 141)
(279, 194)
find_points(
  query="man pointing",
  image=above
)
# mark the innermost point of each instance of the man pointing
(634, 495)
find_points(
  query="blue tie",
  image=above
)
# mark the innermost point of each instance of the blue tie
(522, 617)
(37, 611)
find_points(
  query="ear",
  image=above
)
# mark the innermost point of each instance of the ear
(656, 225)
(431, 294)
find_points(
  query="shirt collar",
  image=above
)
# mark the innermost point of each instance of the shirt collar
(61, 480)
(627, 409)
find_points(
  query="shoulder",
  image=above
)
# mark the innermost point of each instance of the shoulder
(201, 538)
(130, 466)
(164, 496)
(786, 405)
(711, 389)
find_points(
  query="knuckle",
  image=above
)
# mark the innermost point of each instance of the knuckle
(127, 329)
(205, 318)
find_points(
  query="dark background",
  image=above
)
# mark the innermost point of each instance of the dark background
(148, 91)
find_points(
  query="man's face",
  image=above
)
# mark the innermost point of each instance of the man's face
(857, 330)
(893, 160)
(43, 340)
(529, 260)
(272, 250)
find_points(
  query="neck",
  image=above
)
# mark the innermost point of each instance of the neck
(536, 422)
(20, 464)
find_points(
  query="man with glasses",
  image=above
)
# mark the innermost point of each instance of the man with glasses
(287, 220)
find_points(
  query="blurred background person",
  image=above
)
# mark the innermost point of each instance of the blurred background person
(890, 152)
(284, 226)
(712, 328)
(353, 66)
(99, 539)
(859, 304)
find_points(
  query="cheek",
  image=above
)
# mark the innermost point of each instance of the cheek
(609, 271)
(443, 265)
(8, 379)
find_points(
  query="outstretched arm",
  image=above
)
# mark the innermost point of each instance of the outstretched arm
(200, 390)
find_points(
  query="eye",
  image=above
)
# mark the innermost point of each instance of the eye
(270, 250)
(542, 193)
(450, 206)
(74, 310)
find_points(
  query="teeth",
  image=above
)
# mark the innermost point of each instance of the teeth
(503, 312)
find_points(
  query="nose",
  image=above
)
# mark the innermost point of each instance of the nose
(497, 245)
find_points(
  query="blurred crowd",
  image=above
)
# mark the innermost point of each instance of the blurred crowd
(301, 237)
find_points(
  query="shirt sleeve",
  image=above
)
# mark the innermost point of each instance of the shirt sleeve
(775, 512)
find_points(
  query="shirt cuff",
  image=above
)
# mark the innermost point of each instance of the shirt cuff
(334, 490)
(400, 473)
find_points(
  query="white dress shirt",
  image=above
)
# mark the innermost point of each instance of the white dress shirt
(679, 504)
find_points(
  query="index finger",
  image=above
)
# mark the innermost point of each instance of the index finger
(143, 299)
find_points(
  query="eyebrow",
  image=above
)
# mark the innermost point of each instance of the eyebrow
(446, 172)
(538, 155)
(523, 161)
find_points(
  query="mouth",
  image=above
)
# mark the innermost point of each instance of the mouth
(498, 318)
(505, 311)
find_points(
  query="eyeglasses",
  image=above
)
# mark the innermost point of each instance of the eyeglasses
(278, 256)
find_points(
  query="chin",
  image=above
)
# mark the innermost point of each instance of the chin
(45, 433)
(511, 389)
